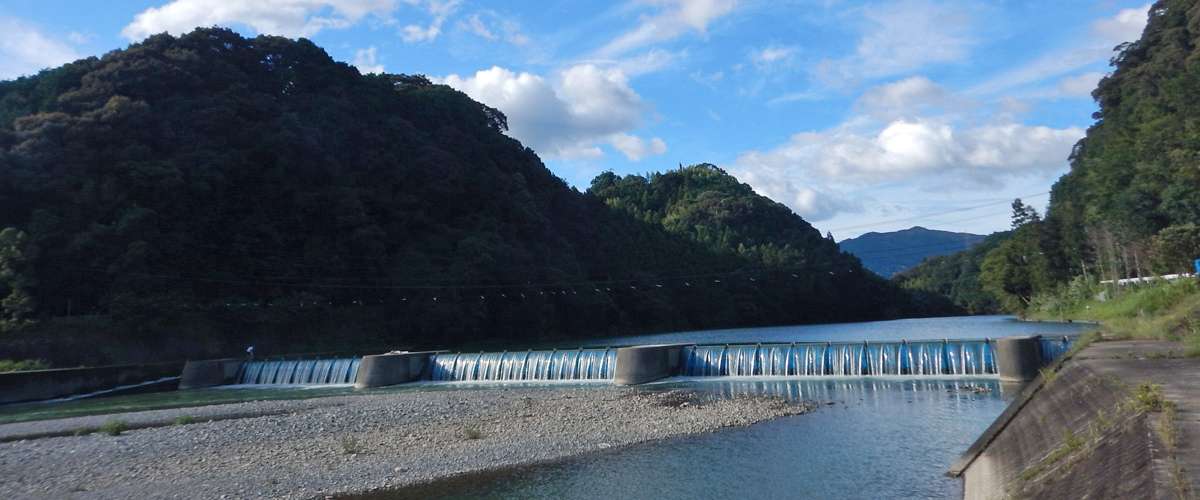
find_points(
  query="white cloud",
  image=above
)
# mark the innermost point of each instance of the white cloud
(673, 19)
(912, 131)
(440, 10)
(364, 60)
(773, 55)
(488, 24)
(813, 203)
(903, 37)
(568, 119)
(904, 98)
(25, 50)
(635, 148)
(1126, 26)
(290, 18)
(1080, 85)
(81, 38)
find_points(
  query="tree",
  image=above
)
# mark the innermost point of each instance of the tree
(17, 255)
(1023, 214)
(1174, 249)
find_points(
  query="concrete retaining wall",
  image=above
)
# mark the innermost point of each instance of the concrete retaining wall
(382, 370)
(647, 363)
(1071, 438)
(209, 373)
(40, 385)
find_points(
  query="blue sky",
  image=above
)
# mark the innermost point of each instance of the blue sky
(858, 115)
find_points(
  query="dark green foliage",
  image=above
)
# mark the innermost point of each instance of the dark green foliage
(211, 191)
(779, 266)
(1134, 185)
(955, 278)
(1138, 170)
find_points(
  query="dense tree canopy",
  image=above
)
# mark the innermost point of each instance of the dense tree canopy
(254, 185)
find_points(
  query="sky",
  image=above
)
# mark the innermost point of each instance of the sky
(860, 116)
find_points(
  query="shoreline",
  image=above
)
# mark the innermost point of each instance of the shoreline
(346, 445)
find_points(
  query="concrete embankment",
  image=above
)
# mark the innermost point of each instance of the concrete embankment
(1084, 430)
(58, 383)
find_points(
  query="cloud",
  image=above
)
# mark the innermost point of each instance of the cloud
(903, 37)
(1107, 33)
(440, 10)
(488, 24)
(773, 55)
(673, 19)
(811, 202)
(364, 60)
(290, 18)
(1126, 26)
(905, 98)
(911, 131)
(1080, 85)
(635, 148)
(570, 118)
(25, 50)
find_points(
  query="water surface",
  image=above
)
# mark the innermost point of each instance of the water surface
(882, 437)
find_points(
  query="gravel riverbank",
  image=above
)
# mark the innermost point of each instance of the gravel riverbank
(313, 448)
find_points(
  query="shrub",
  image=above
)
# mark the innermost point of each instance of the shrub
(471, 433)
(114, 427)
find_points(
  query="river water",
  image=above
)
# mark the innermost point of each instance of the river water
(886, 437)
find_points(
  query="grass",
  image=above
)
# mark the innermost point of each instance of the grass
(114, 427)
(352, 446)
(184, 420)
(1164, 310)
(1070, 444)
(157, 401)
(471, 433)
(8, 365)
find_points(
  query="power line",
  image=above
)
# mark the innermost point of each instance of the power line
(935, 214)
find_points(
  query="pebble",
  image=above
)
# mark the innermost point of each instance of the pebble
(348, 444)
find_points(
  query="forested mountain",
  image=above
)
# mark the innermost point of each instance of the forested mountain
(806, 275)
(235, 190)
(889, 253)
(1130, 205)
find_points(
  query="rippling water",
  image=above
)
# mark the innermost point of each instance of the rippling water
(885, 437)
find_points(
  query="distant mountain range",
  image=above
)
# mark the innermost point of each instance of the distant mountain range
(889, 253)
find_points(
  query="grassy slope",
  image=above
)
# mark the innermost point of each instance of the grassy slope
(1157, 310)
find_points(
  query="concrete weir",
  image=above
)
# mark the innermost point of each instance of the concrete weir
(209, 373)
(392, 368)
(1018, 357)
(647, 363)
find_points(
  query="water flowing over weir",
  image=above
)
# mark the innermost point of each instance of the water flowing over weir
(946, 357)
(299, 372)
(568, 364)
(915, 358)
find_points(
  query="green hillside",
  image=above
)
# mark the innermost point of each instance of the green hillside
(188, 196)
